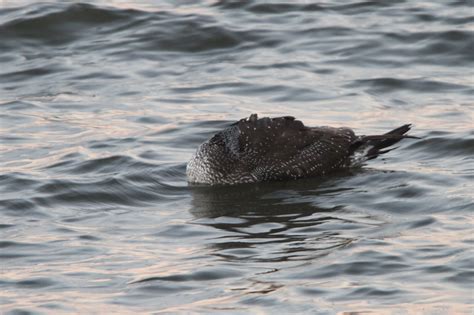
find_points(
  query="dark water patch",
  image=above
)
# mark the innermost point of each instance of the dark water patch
(434, 252)
(260, 301)
(455, 36)
(195, 134)
(155, 31)
(214, 124)
(425, 17)
(263, 200)
(12, 182)
(21, 311)
(61, 165)
(179, 230)
(421, 223)
(150, 155)
(106, 165)
(99, 145)
(64, 230)
(152, 120)
(267, 8)
(10, 244)
(105, 191)
(83, 218)
(172, 172)
(61, 26)
(226, 86)
(166, 180)
(390, 49)
(12, 119)
(282, 65)
(313, 291)
(408, 191)
(89, 238)
(362, 7)
(358, 49)
(370, 263)
(19, 207)
(172, 129)
(197, 38)
(388, 196)
(98, 75)
(372, 292)
(35, 283)
(438, 269)
(31, 74)
(283, 93)
(13, 256)
(17, 105)
(282, 8)
(434, 147)
(460, 3)
(166, 289)
(389, 85)
(327, 33)
(463, 277)
(368, 268)
(451, 36)
(186, 33)
(454, 20)
(464, 260)
(199, 275)
(155, 73)
(451, 47)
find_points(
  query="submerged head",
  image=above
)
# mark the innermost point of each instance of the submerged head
(216, 161)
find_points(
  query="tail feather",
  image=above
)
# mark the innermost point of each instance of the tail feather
(373, 145)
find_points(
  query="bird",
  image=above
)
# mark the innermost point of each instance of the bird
(255, 149)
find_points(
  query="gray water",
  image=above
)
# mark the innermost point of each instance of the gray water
(103, 103)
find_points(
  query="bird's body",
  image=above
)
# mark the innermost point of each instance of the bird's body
(270, 149)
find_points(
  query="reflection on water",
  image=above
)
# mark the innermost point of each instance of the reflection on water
(103, 102)
(285, 221)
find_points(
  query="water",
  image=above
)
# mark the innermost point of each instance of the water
(102, 104)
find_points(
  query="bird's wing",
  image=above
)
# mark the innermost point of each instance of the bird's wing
(283, 147)
(273, 137)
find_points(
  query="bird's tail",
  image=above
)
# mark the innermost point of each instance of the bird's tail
(369, 147)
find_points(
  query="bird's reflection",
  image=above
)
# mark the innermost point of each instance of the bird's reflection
(274, 221)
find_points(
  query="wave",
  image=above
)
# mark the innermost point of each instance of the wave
(156, 31)
(133, 33)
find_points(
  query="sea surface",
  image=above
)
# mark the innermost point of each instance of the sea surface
(102, 103)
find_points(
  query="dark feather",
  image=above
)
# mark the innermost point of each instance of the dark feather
(378, 142)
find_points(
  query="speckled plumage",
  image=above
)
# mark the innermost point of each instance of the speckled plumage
(269, 149)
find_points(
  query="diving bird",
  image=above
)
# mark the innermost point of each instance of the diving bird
(273, 149)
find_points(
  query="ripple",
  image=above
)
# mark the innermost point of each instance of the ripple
(200, 275)
(17, 105)
(58, 27)
(103, 165)
(372, 292)
(13, 181)
(37, 283)
(436, 146)
(387, 85)
(106, 191)
(31, 74)
(19, 207)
